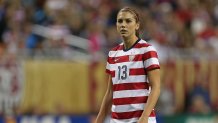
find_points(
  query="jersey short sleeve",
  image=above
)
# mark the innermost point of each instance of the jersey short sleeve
(108, 65)
(150, 58)
(108, 70)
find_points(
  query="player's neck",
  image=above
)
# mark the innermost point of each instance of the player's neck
(128, 42)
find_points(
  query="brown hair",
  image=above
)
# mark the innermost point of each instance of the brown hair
(135, 14)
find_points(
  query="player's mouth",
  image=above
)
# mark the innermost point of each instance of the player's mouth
(123, 31)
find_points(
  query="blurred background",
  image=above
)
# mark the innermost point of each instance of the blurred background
(53, 55)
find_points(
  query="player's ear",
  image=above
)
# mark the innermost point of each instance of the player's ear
(137, 26)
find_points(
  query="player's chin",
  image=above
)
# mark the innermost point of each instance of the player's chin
(124, 35)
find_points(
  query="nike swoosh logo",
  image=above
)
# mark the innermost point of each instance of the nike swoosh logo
(116, 59)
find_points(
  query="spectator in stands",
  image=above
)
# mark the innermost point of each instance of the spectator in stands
(199, 98)
(199, 105)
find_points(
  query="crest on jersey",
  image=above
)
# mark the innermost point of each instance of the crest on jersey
(131, 57)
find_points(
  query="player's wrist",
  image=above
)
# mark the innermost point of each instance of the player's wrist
(145, 115)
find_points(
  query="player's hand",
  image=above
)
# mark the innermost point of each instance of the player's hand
(143, 120)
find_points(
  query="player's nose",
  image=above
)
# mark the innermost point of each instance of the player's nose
(123, 24)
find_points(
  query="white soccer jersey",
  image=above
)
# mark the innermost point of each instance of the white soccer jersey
(128, 69)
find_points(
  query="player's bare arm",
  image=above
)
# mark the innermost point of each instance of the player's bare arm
(106, 103)
(154, 80)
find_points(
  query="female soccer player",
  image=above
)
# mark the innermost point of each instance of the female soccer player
(134, 76)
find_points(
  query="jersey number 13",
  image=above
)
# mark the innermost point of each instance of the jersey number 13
(122, 72)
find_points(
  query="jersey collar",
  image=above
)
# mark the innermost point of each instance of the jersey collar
(125, 50)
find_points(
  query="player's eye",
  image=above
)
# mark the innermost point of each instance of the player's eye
(119, 20)
(128, 21)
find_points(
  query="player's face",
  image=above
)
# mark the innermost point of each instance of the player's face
(126, 24)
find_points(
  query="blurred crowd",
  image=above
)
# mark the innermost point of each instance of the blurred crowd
(184, 25)
(180, 24)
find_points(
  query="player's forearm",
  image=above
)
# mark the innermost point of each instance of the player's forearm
(152, 100)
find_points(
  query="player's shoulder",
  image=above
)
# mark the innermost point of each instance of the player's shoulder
(140, 44)
(146, 46)
(144, 43)
(118, 47)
